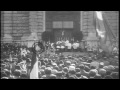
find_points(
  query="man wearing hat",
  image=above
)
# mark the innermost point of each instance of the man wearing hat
(66, 45)
(69, 45)
(75, 46)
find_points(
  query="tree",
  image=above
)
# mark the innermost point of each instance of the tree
(45, 36)
(77, 35)
(48, 36)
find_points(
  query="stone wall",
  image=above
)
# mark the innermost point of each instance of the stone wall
(111, 17)
(88, 27)
(87, 23)
(20, 24)
(113, 21)
(36, 22)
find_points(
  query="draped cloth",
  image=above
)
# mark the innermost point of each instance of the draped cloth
(103, 31)
(69, 45)
(34, 72)
(7, 38)
(75, 45)
(32, 38)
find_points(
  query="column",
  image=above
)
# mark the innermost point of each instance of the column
(81, 13)
(33, 27)
(84, 16)
(7, 26)
(2, 25)
(20, 26)
(41, 23)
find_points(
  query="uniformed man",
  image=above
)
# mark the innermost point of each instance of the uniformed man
(81, 46)
(89, 48)
(69, 45)
(66, 45)
(76, 46)
(57, 46)
(115, 50)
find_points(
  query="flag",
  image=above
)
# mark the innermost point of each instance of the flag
(109, 37)
(95, 23)
(34, 72)
(82, 45)
(103, 30)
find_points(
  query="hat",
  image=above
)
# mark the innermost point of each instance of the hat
(116, 69)
(115, 75)
(60, 67)
(72, 77)
(102, 71)
(89, 61)
(95, 64)
(101, 65)
(42, 71)
(17, 73)
(77, 69)
(87, 69)
(71, 67)
(61, 62)
(72, 64)
(92, 73)
(111, 67)
(107, 77)
(97, 76)
(108, 72)
(56, 67)
(7, 73)
(59, 74)
(83, 77)
(24, 76)
(44, 77)
(54, 71)
(72, 72)
(68, 63)
(81, 66)
(52, 76)
(78, 74)
(4, 78)
(106, 63)
(65, 69)
(105, 67)
(43, 67)
(3, 74)
(48, 71)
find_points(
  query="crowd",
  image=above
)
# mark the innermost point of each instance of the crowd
(16, 62)
(78, 67)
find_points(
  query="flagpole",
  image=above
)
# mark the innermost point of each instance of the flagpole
(81, 19)
(104, 16)
(95, 26)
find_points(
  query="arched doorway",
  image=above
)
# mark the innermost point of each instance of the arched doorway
(62, 23)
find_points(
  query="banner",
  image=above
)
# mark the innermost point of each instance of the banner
(103, 32)
(34, 72)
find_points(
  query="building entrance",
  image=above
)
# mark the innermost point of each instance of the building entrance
(63, 23)
(63, 35)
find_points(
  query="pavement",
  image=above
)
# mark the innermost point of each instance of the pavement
(66, 53)
(73, 53)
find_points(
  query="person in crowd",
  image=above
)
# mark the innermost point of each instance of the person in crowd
(56, 66)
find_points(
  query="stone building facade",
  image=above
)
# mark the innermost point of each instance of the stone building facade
(20, 24)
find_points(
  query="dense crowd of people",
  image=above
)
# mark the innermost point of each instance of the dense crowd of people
(78, 67)
(17, 62)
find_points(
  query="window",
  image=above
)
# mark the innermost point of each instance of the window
(68, 24)
(63, 24)
(57, 24)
